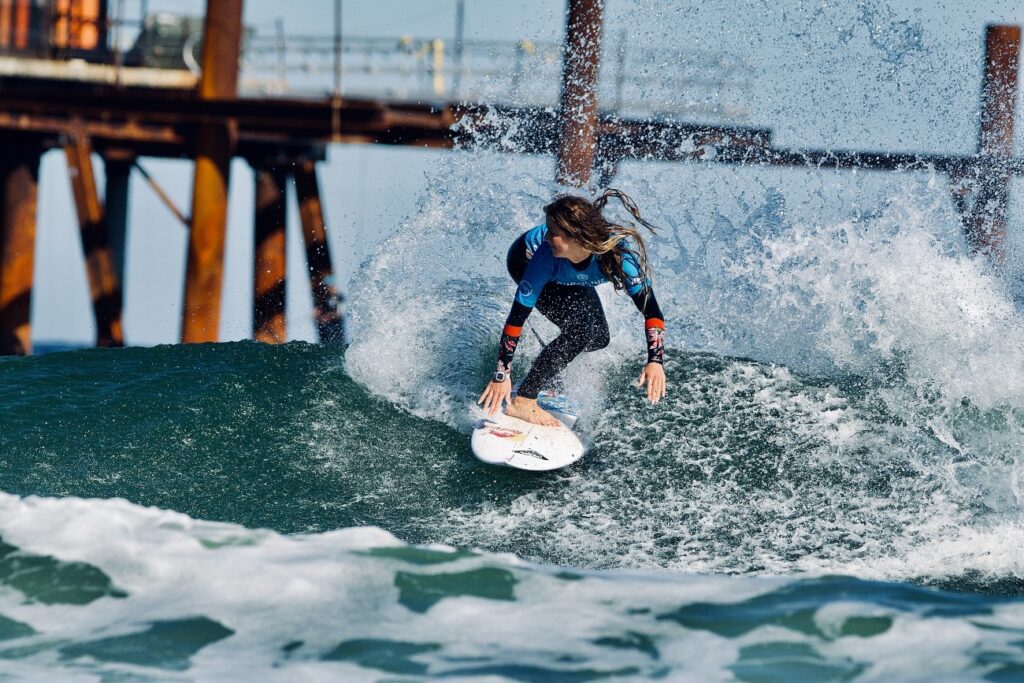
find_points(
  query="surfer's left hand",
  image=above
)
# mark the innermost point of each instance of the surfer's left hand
(654, 375)
(494, 395)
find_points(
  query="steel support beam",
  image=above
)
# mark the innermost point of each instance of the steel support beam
(19, 181)
(986, 225)
(578, 132)
(115, 199)
(269, 252)
(162, 195)
(104, 286)
(318, 254)
(103, 23)
(214, 149)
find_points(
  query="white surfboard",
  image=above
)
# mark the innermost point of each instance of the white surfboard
(511, 442)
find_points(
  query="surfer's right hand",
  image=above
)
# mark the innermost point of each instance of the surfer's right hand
(494, 395)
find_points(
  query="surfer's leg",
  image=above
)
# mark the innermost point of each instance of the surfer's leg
(578, 313)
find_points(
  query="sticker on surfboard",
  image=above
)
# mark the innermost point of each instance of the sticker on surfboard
(511, 442)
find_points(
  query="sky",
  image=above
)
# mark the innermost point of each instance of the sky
(899, 76)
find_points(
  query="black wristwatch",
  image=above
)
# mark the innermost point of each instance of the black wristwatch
(500, 375)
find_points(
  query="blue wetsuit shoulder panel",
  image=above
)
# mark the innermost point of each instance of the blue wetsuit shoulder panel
(541, 267)
(634, 278)
(534, 238)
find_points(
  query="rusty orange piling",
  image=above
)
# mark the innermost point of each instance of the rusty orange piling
(215, 146)
(578, 129)
(269, 251)
(104, 287)
(6, 14)
(22, 23)
(986, 225)
(19, 181)
(318, 254)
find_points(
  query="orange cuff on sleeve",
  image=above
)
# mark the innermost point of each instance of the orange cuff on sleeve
(512, 331)
(654, 322)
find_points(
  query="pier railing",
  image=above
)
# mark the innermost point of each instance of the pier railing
(635, 79)
(523, 72)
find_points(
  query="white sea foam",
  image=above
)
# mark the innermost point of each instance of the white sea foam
(914, 351)
(846, 381)
(321, 589)
(291, 600)
(751, 263)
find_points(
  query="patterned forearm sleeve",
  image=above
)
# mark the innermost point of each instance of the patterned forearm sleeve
(510, 335)
(655, 330)
(507, 348)
(654, 325)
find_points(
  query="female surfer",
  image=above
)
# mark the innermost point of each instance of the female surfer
(557, 265)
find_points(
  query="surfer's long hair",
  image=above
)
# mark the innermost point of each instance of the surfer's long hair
(583, 220)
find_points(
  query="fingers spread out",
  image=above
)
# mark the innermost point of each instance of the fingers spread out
(493, 396)
(655, 385)
(488, 400)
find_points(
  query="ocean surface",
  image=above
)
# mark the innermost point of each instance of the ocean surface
(233, 511)
(831, 490)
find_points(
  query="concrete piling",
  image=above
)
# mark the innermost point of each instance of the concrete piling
(986, 224)
(318, 254)
(214, 149)
(104, 286)
(578, 131)
(269, 254)
(19, 181)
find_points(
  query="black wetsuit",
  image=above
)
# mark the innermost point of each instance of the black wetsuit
(565, 293)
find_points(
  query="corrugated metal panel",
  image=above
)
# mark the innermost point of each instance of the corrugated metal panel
(79, 24)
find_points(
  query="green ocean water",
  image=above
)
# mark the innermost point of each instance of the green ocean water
(237, 509)
(275, 437)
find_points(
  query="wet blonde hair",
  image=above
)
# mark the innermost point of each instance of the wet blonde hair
(583, 220)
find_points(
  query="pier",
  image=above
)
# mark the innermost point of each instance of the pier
(64, 87)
